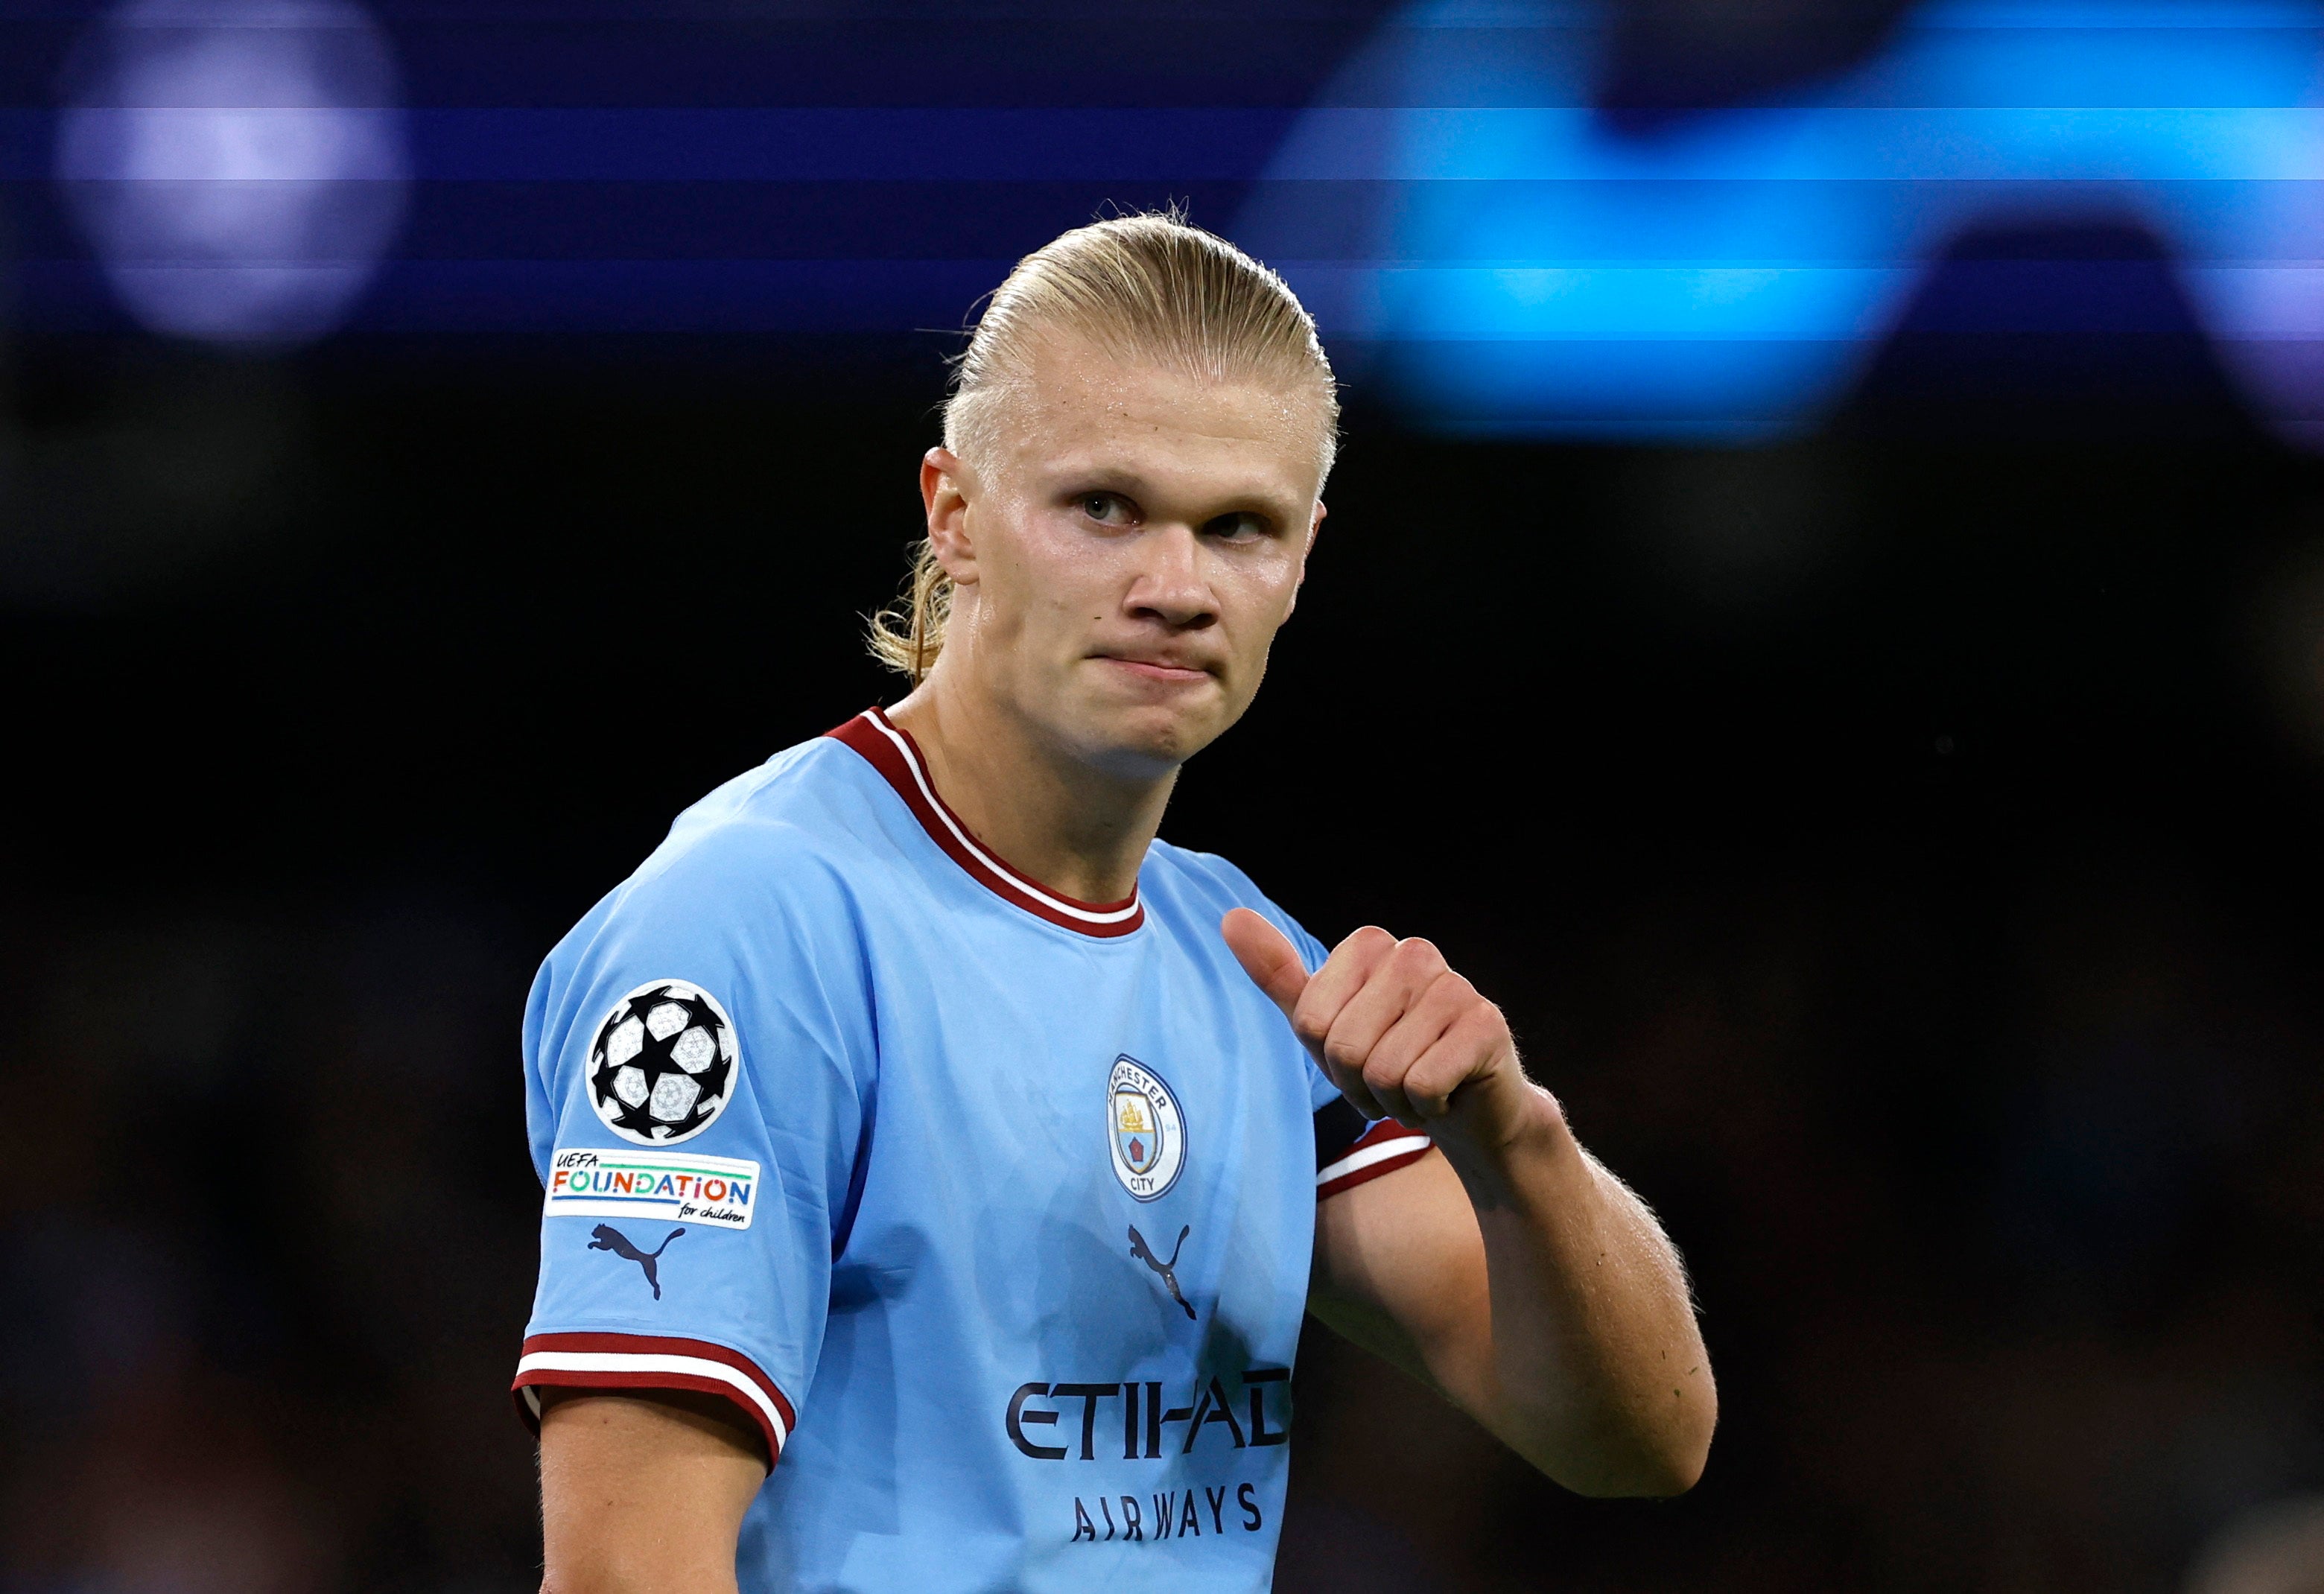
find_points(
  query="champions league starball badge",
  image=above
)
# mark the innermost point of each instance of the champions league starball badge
(662, 1066)
(1145, 1131)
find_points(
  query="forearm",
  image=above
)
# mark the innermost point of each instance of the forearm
(1595, 1370)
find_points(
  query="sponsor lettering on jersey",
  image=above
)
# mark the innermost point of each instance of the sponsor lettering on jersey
(1146, 1422)
(718, 1191)
(1174, 1514)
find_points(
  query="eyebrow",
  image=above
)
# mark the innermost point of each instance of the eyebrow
(1104, 478)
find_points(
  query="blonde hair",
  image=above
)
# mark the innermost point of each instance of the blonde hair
(1147, 287)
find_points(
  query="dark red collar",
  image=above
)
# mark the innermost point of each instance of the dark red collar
(890, 749)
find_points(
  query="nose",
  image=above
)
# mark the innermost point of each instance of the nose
(1173, 585)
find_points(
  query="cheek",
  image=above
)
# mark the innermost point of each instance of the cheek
(1053, 582)
(1073, 571)
(1258, 598)
(1273, 580)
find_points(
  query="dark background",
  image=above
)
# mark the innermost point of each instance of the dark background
(1898, 848)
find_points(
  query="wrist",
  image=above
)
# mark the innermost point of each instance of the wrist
(1487, 1141)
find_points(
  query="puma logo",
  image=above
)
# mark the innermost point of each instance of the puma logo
(1170, 1269)
(610, 1238)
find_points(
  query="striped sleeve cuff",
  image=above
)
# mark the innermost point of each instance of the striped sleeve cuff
(645, 1362)
(1382, 1148)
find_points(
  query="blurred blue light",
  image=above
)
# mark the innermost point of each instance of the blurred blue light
(238, 166)
(1533, 267)
(828, 144)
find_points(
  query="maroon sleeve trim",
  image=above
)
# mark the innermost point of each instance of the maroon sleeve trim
(1382, 1148)
(649, 1362)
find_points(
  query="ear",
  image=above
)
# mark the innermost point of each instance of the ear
(947, 493)
(1315, 525)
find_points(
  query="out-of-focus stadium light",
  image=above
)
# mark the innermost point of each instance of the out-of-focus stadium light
(1531, 267)
(239, 166)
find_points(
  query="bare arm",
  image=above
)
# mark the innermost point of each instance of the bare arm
(1558, 1322)
(643, 1493)
(1509, 1268)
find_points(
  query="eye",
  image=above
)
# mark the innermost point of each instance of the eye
(1104, 508)
(1241, 527)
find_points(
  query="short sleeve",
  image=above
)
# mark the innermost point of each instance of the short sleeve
(1349, 1151)
(700, 1068)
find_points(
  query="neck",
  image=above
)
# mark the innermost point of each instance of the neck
(1080, 830)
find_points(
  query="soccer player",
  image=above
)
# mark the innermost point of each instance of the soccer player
(939, 1164)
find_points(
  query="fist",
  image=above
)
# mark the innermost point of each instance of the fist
(1393, 1026)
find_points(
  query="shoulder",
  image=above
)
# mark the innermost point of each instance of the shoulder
(752, 904)
(792, 826)
(765, 871)
(1190, 881)
(1169, 866)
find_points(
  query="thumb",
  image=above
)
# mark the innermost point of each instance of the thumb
(1266, 955)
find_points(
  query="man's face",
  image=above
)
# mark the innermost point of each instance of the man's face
(1124, 547)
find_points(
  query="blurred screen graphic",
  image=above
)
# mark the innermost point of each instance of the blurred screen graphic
(1535, 266)
(1485, 240)
(238, 166)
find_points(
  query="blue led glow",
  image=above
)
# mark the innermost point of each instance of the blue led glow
(236, 166)
(1531, 267)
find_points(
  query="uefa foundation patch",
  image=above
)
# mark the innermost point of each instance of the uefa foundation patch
(721, 1192)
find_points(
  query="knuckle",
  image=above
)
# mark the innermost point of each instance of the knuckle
(1311, 1020)
(1453, 989)
(1416, 954)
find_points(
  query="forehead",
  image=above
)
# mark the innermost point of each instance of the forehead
(1078, 408)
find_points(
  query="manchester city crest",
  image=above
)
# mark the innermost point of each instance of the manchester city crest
(1146, 1132)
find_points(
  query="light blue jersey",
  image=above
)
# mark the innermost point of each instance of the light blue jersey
(993, 1210)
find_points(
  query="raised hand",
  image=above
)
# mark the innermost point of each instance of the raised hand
(1394, 1028)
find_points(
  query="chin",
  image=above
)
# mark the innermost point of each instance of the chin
(1147, 742)
(1138, 734)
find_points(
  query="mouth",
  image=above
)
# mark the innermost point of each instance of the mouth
(1159, 670)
